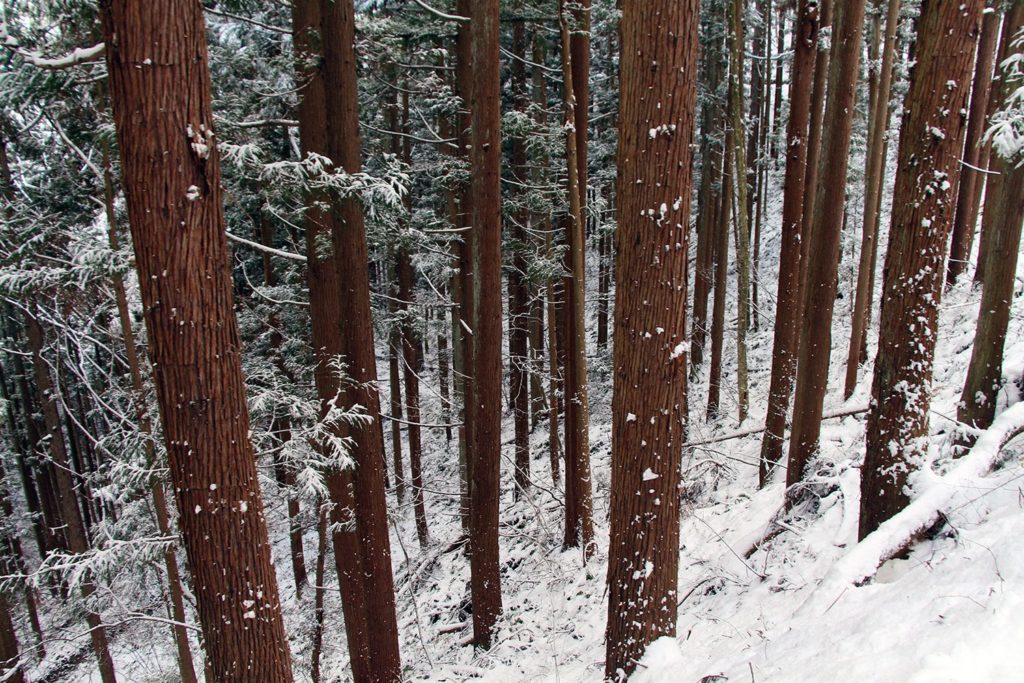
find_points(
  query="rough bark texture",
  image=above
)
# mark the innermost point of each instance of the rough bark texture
(186, 667)
(742, 206)
(350, 251)
(873, 178)
(658, 91)
(814, 135)
(805, 43)
(922, 215)
(709, 202)
(966, 209)
(160, 89)
(579, 524)
(518, 292)
(1002, 231)
(721, 278)
(820, 286)
(485, 456)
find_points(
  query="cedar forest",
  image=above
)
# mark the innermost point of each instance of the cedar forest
(394, 340)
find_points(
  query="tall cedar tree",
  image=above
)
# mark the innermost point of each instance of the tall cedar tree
(160, 90)
(741, 207)
(518, 288)
(325, 317)
(922, 214)
(1001, 231)
(579, 523)
(873, 177)
(658, 94)
(820, 286)
(485, 455)
(344, 147)
(805, 44)
(966, 206)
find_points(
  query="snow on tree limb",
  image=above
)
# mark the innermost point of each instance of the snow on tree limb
(896, 534)
(80, 55)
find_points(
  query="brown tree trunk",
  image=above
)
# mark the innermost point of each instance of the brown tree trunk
(721, 279)
(11, 668)
(395, 405)
(464, 85)
(742, 205)
(814, 136)
(922, 215)
(966, 211)
(579, 524)
(820, 287)
(874, 176)
(805, 42)
(160, 89)
(650, 346)
(709, 202)
(350, 251)
(485, 455)
(518, 293)
(186, 667)
(1002, 232)
(780, 48)
(318, 590)
(540, 100)
(325, 316)
(412, 356)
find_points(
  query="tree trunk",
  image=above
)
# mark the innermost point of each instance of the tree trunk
(579, 525)
(814, 136)
(325, 316)
(485, 456)
(805, 42)
(650, 345)
(412, 356)
(318, 590)
(966, 211)
(709, 202)
(10, 656)
(922, 215)
(350, 251)
(736, 48)
(160, 89)
(721, 279)
(820, 287)
(873, 179)
(780, 48)
(186, 667)
(1002, 231)
(518, 293)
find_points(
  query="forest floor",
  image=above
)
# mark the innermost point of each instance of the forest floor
(749, 610)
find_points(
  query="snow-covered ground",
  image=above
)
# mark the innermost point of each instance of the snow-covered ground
(749, 610)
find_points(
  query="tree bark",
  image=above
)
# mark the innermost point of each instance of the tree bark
(350, 251)
(820, 286)
(814, 136)
(160, 89)
(518, 293)
(329, 346)
(579, 524)
(1002, 232)
(485, 457)
(923, 210)
(966, 217)
(805, 42)
(721, 279)
(742, 205)
(874, 177)
(658, 90)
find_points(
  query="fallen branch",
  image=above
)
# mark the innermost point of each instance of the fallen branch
(846, 412)
(897, 534)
